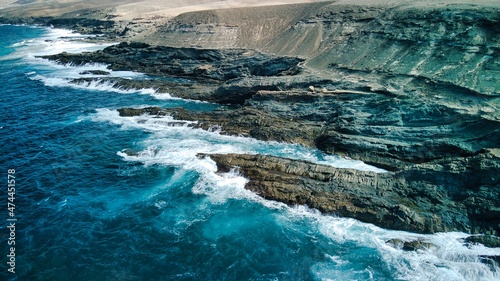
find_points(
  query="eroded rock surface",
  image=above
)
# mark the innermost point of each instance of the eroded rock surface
(225, 76)
(422, 198)
(414, 245)
(411, 87)
(451, 192)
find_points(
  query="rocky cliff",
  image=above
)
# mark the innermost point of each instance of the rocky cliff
(452, 42)
(439, 196)
(363, 118)
(410, 86)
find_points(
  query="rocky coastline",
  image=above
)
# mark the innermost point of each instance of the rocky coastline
(449, 194)
(413, 89)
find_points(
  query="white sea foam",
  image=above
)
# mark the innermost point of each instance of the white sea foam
(448, 259)
(96, 85)
(177, 145)
(174, 143)
(173, 136)
(56, 41)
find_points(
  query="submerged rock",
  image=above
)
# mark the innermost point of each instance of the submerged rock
(493, 262)
(129, 112)
(414, 245)
(486, 240)
(94, 72)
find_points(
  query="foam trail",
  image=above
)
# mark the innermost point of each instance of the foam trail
(449, 258)
(174, 143)
(96, 85)
(56, 41)
(172, 136)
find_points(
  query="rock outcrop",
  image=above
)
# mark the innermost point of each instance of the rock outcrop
(414, 245)
(224, 76)
(446, 195)
(412, 87)
(486, 240)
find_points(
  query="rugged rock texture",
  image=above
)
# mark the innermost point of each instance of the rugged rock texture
(94, 72)
(450, 41)
(86, 22)
(244, 121)
(410, 86)
(379, 127)
(226, 76)
(211, 65)
(414, 245)
(372, 125)
(442, 195)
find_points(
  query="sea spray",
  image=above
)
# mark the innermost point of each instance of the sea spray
(110, 197)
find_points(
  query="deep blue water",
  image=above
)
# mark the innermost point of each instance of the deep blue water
(88, 210)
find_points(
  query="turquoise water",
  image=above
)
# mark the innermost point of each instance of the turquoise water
(88, 210)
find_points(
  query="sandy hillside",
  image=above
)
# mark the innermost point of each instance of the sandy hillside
(151, 8)
(157, 12)
(130, 9)
(303, 28)
(5, 3)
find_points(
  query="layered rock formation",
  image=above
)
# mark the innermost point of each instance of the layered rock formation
(451, 194)
(363, 119)
(451, 42)
(412, 87)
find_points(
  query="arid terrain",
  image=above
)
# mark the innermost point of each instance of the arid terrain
(409, 86)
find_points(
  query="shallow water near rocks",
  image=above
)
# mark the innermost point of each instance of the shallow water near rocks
(104, 197)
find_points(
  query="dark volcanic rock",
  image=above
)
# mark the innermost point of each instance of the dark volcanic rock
(414, 245)
(94, 72)
(243, 121)
(422, 198)
(493, 262)
(84, 23)
(128, 112)
(392, 130)
(487, 240)
(212, 75)
(410, 88)
(199, 64)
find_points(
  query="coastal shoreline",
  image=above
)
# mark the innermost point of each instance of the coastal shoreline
(436, 129)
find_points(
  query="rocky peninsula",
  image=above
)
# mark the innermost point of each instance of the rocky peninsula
(409, 86)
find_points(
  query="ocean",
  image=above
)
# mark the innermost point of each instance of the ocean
(96, 196)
